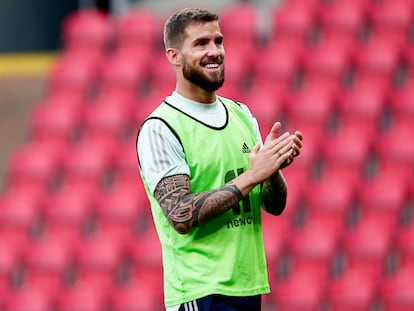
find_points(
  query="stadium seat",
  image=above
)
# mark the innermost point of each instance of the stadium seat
(368, 243)
(311, 104)
(303, 289)
(87, 29)
(100, 257)
(353, 290)
(333, 194)
(379, 57)
(316, 242)
(137, 29)
(35, 165)
(137, 295)
(392, 18)
(89, 163)
(293, 21)
(124, 72)
(29, 298)
(364, 101)
(233, 30)
(392, 146)
(396, 290)
(349, 145)
(48, 262)
(278, 64)
(74, 73)
(20, 212)
(328, 60)
(126, 165)
(266, 103)
(56, 119)
(69, 212)
(108, 117)
(11, 256)
(85, 296)
(344, 19)
(386, 191)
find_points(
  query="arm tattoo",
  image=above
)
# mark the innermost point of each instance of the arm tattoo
(185, 210)
(274, 195)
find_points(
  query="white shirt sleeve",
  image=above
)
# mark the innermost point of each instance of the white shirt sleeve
(160, 153)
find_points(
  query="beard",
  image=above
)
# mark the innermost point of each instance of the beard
(201, 79)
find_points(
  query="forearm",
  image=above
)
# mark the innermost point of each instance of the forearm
(185, 210)
(274, 194)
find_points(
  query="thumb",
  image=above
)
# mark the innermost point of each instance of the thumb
(255, 149)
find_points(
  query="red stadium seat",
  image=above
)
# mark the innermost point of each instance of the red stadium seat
(89, 163)
(124, 72)
(74, 73)
(303, 289)
(29, 298)
(349, 146)
(87, 29)
(56, 119)
(48, 262)
(392, 146)
(368, 243)
(332, 194)
(99, 258)
(316, 242)
(278, 64)
(108, 118)
(69, 211)
(137, 29)
(86, 296)
(266, 104)
(138, 294)
(385, 191)
(20, 212)
(396, 290)
(233, 30)
(37, 165)
(312, 104)
(392, 18)
(379, 57)
(344, 19)
(293, 21)
(363, 102)
(353, 290)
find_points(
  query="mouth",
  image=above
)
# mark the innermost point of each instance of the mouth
(212, 66)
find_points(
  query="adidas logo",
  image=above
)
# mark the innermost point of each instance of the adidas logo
(245, 148)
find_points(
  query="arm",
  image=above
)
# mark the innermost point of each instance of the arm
(185, 210)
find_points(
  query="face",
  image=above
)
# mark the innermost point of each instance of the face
(203, 56)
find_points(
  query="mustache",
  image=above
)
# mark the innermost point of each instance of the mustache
(218, 60)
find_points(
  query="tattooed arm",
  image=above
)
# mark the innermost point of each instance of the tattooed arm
(185, 210)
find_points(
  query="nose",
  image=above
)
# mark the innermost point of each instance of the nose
(214, 50)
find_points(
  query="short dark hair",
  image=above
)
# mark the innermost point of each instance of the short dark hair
(174, 28)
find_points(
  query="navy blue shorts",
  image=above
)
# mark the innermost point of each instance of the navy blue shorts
(223, 303)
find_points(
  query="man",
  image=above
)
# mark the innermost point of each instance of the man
(207, 175)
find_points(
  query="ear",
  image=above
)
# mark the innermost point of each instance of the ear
(173, 56)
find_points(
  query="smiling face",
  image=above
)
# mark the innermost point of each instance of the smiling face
(202, 56)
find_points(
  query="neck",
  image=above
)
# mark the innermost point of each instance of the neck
(195, 93)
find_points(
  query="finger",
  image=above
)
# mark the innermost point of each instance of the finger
(299, 135)
(274, 131)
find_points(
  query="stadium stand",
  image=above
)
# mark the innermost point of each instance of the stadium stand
(75, 226)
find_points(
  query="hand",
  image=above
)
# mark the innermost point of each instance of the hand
(297, 139)
(278, 151)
